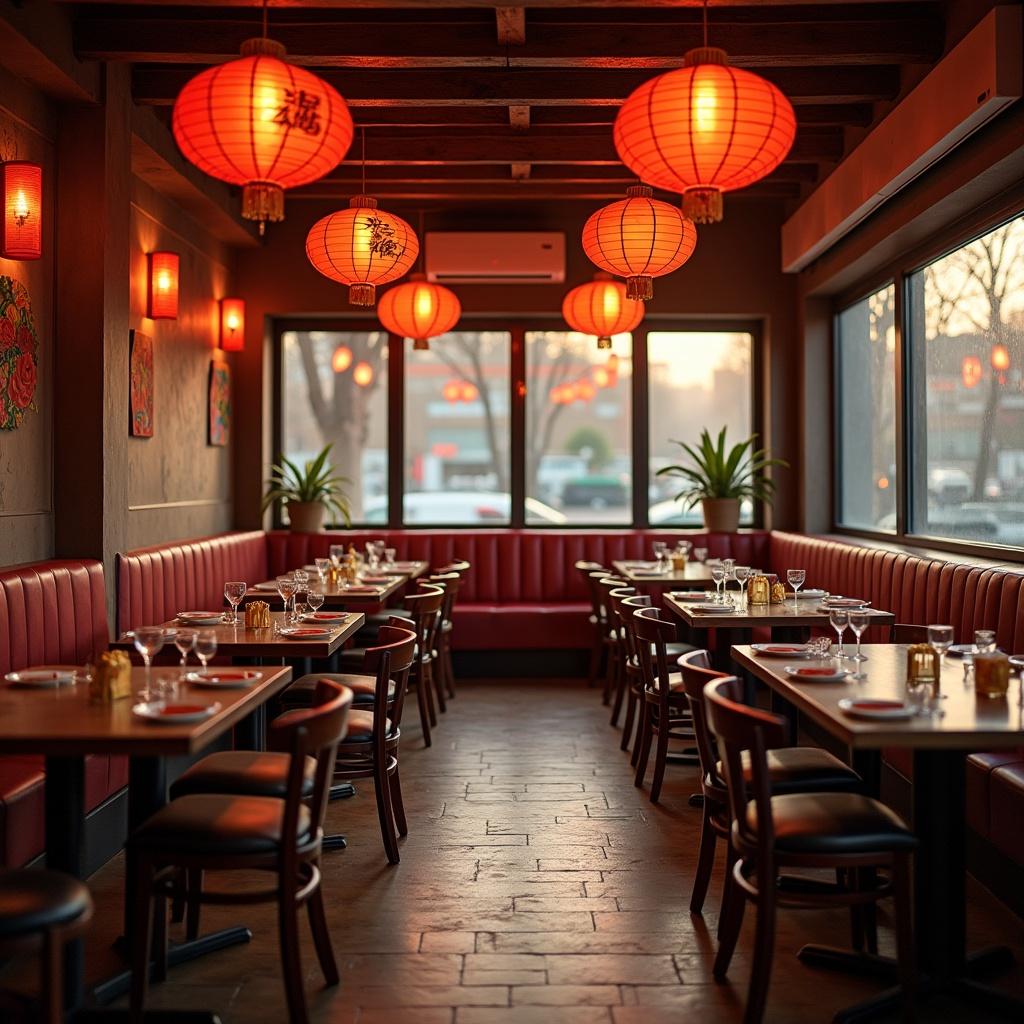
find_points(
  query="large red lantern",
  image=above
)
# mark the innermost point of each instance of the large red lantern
(704, 129)
(362, 247)
(419, 310)
(639, 238)
(601, 307)
(264, 124)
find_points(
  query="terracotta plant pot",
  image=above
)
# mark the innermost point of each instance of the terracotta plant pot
(721, 515)
(305, 516)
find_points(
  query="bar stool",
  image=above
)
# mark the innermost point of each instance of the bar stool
(41, 912)
(848, 832)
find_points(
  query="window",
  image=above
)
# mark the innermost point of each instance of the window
(966, 404)
(696, 379)
(866, 412)
(457, 465)
(334, 391)
(578, 457)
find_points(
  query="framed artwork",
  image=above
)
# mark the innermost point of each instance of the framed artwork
(19, 354)
(220, 403)
(140, 384)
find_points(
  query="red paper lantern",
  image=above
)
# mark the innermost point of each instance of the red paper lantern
(639, 238)
(362, 247)
(21, 230)
(601, 307)
(419, 310)
(704, 129)
(232, 325)
(163, 286)
(970, 371)
(1000, 358)
(342, 359)
(452, 391)
(585, 390)
(469, 392)
(363, 374)
(264, 124)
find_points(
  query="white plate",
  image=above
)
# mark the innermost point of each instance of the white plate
(329, 618)
(265, 588)
(809, 674)
(809, 595)
(844, 603)
(1017, 660)
(690, 595)
(959, 650)
(165, 714)
(782, 651)
(226, 679)
(877, 710)
(710, 607)
(41, 678)
(199, 618)
(169, 633)
(305, 633)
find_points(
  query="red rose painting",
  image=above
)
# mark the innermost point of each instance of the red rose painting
(22, 385)
(19, 363)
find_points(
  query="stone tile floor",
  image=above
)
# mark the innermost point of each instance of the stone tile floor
(537, 886)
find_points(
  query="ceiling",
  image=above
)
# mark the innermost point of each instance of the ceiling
(464, 100)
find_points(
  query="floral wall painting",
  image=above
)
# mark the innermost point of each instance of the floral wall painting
(220, 403)
(19, 354)
(140, 385)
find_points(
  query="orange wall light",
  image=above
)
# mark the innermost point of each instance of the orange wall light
(419, 310)
(639, 238)
(601, 307)
(362, 374)
(704, 129)
(21, 231)
(342, 359)
(232, 325)
(163, 286)
(264, 124)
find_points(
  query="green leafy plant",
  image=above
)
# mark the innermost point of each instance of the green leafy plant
(314, 482)
(717, 473)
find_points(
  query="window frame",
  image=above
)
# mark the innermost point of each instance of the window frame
(518, 325)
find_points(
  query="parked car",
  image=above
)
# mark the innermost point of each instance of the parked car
(461, 508)
(595, 492)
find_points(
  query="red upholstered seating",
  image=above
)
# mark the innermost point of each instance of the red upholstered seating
(50, 613)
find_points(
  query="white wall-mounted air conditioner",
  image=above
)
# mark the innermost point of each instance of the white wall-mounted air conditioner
(495, 257)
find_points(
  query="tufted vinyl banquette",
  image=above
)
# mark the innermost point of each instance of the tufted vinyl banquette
(51, 613)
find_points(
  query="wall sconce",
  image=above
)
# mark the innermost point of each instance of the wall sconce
(21, 230)
(232, 325)
(163, 286)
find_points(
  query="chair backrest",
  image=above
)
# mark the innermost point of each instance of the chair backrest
(590, 572)
(449, 583)
(909, 633)
(390, 662)
(653, 635)
(598, 593)
(314, 732)
(424, 606)
(619, 614)
(740, 728)
(697, 673)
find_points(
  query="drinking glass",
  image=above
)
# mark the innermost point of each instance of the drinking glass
(301, 578)
(337, 553)
(323, 567)
(206, 645)
(378, 549)
(286, 588)
(796, 578)
(941, 638)
(148, 641)
(660, 553)
(184, 640)
(234, 592)
(742, 574)
(371, 554)
(314, 598)
(389, 556)
(718, 577)
(700, 554)
(985, 640)
(840, 619)
(858, 619)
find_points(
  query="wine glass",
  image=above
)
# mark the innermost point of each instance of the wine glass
(718, 578)
(337, 553)
(371, 555)
(796, 578)
(234, 592)
(700, 554)
(314, 598)
(858, 619)
(660, 553)
(941, 638)
(301, 578)
(286, 588)
(206, 645)
(148, 641)
(840, 619)
(742, 574)
(389, 556)
(323, 567)
(985, 640)
(184, 640)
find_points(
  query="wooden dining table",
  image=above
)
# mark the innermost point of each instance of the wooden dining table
(65, 727)
(940, 743)
(694, 575)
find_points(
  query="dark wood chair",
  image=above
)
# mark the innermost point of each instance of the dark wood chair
(603, 581)
(792, 770)
(460, 567)
(627, 668)
(424, 607)
(598, 619)
(282, 837)
(849, 833)
(443, 685)
(40, 913)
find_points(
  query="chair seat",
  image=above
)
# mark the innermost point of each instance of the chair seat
(381, 618)
(675, 685)
(242, 773)
(834, 823)
(805, 770)
(363, 688)
(32, 901)
(360, 727)
(206, 823)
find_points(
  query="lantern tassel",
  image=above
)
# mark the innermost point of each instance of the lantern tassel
(640, 288)
(703, 205)
(421, 345)
(362, 294)
(262, 201)
(604, 343)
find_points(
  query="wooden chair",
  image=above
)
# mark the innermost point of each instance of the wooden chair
(424, 607)
(598, 618)
(40, 913)
(605, 582)
(460, 567)
(449, 583)
(847, 832)
(245, 833)
(627, 669)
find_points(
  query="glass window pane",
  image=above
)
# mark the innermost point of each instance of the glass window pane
(578, 436)
(457, 430)
(697, 379)
(967, 410)
(334, 391)
(866, 410)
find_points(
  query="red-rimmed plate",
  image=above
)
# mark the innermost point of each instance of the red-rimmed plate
(306, 632)
(844, 602)
(176, 713)
(781, 650)
(200, 618)
(877, 709)
(689, 595)
(328, 617)
(226, 679)
(816, 674)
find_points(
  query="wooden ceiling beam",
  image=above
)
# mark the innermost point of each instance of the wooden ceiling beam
(155, 85)
(383, 5)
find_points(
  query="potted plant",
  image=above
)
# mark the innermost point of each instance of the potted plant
(719, 479)
(308, 492)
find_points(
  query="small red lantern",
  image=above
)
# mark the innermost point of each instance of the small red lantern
(452, 391)
(363, 374)
(342, 359)
(970, 371)
(419, 310)
(163, 286)
(601, 307)
(585, 391)
(469, 392)
(1000, 358)
(232, 325)
(21, 231)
